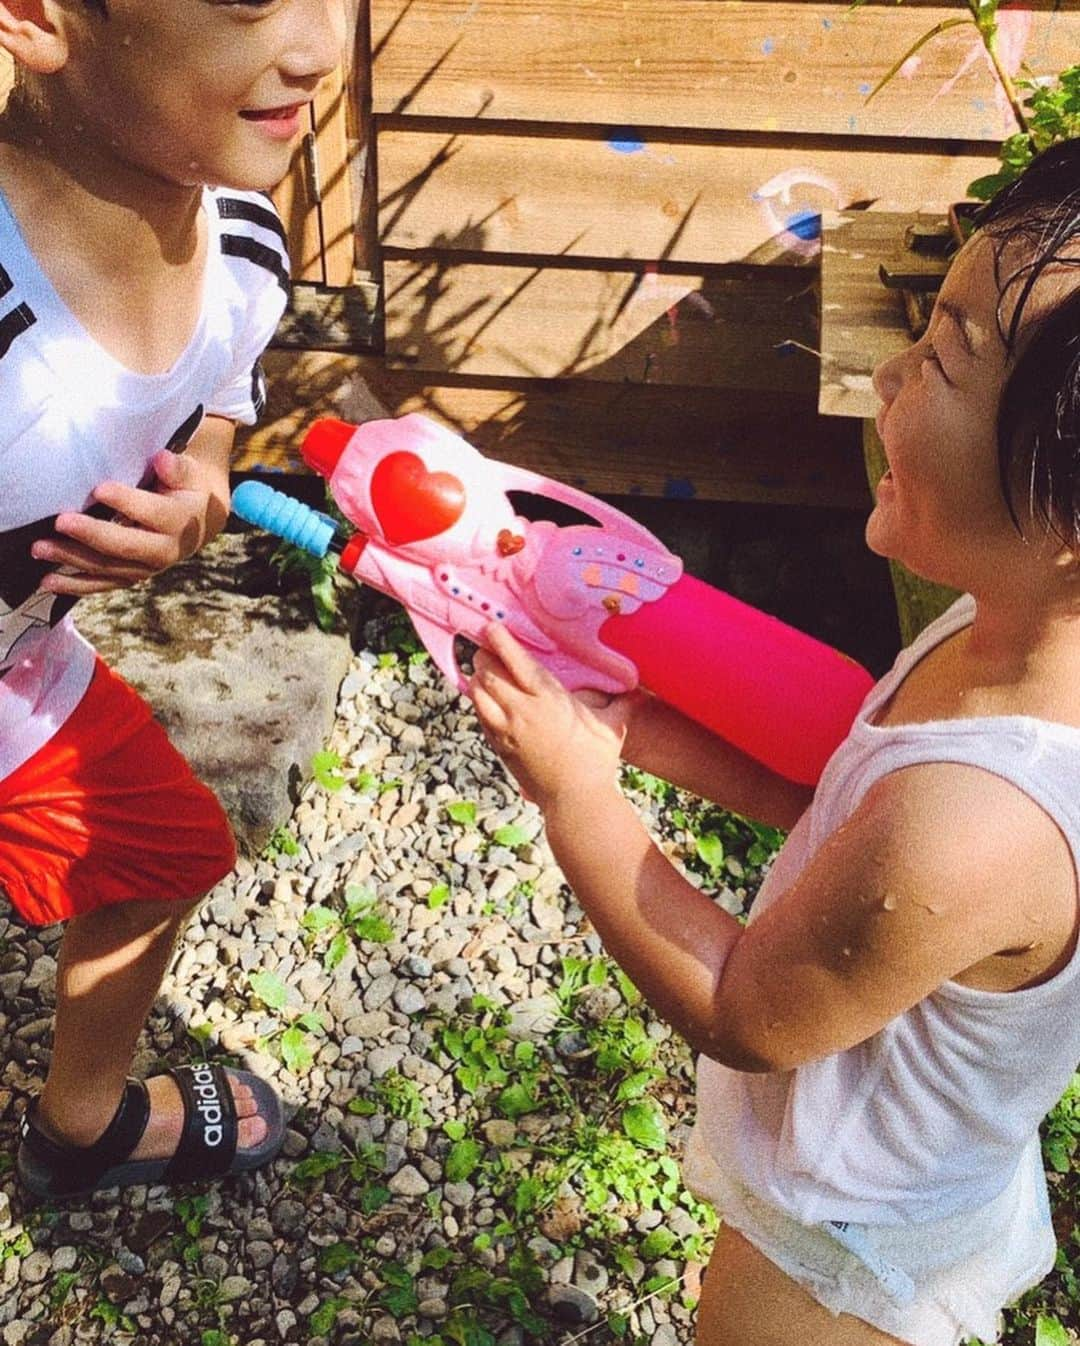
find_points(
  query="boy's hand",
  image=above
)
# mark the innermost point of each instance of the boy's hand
(551, 740)
(187, 507)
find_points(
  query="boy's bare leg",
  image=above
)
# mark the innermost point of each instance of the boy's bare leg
(748, 1301)
(110, 968)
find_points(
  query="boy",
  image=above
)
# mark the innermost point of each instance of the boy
(135, 302)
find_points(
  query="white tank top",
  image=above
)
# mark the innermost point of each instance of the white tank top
(930, 1117)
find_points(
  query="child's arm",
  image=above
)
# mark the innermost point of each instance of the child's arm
(892, 906)
(186, 507)
(663, 741)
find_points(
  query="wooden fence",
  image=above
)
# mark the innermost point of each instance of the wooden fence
(586, 233)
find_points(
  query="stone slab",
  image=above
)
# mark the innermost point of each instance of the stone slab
(230, 657)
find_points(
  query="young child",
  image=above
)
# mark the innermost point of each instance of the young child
(881, 1041)
(135, 301)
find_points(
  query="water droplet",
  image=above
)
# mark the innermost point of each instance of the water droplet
(888, 902)
(846, 951)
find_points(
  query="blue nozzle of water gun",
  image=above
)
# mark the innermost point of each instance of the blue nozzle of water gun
(280, 514)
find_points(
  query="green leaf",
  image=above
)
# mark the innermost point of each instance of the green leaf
(325, 1316)
(326, 770)
(511, 836)
(400, 1293)
(438, 897)
(644, 1123)
(338, 948)
(528, 1195)
(296, 1050)
(362, 1107)
(270, 989)
(338, 1257)
(710, 850)
(375, 929)
(1049, 1332)
(658, 1243)
(598, 973)
(315, 1165)
(373, 1198)
(635, 1085)
(518, 1099)
(437, 1258)
(282, 842)
(462, 811)
(627, 989)
(318, 918)
(463, 1159)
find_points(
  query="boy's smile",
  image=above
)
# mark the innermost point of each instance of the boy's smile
(279, 123)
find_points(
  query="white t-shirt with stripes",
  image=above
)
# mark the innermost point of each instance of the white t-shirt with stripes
(74, 416)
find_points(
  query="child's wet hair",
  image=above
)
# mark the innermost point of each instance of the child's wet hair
(1036, 221)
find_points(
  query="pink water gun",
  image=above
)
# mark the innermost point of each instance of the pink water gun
(602, 605)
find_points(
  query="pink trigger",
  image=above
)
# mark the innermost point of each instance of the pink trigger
(412, 503)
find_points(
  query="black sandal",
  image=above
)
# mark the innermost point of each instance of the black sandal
(51, 1170)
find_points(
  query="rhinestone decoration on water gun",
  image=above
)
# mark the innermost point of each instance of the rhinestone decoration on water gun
(601, 605)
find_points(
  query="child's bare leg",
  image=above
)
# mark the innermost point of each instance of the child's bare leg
(110, 968)
(748, 1301)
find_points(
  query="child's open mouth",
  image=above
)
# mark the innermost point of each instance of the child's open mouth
(280, 123)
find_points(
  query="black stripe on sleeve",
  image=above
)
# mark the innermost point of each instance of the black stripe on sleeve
(235, 245)
(13, 325)
(258, 389)
(234, 208)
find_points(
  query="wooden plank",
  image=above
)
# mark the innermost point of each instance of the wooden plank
(295, 198)
(315, 200)
(694, 330)
(798, 67)
(342, 318)
(862, 322)
(337, 226)
(701, 204)
(705, 444)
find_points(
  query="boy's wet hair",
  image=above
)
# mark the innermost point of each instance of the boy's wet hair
(1039, 415)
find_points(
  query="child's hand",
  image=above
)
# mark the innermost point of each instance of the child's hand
(551, 740)
(187, 506)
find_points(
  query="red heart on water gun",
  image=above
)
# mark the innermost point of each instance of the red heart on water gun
(412, 503)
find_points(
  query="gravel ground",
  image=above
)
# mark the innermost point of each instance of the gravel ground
(486, 1118)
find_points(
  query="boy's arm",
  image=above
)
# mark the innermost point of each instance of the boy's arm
(185, 508)
(666, 743)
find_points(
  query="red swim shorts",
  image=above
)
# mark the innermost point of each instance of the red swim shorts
(108, 811)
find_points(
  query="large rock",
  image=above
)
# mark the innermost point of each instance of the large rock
(237, 670)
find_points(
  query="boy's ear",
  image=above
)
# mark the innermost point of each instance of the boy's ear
(34, 32)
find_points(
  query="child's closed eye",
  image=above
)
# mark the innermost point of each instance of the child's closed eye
(934, 360)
